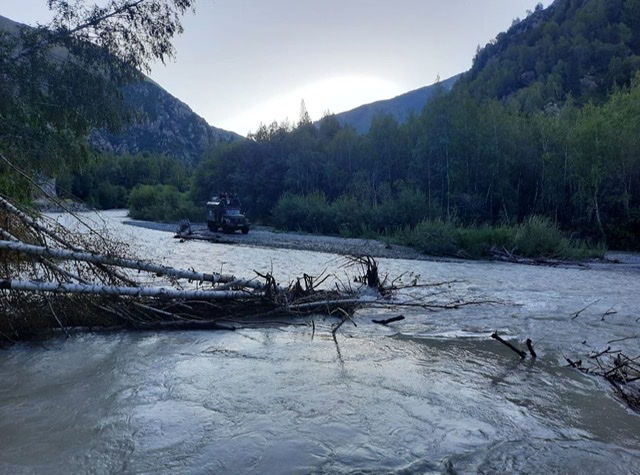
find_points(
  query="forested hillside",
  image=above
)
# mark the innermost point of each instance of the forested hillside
(544, 128)
(163, 124)
(577, 48)
(546, 123)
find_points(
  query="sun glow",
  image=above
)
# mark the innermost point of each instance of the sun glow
(336, 94)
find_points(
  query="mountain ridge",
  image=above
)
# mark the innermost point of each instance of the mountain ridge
(165, 125)
(400, 107)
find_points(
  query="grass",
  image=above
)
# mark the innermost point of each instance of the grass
(537, 237)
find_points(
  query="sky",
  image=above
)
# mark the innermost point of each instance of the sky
(242, 63)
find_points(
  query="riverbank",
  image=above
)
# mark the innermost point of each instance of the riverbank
(263, 236)
(267, 237)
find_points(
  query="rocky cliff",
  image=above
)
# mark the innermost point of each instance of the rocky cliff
(166, 126)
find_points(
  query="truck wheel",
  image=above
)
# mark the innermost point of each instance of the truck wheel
(245, 230)
(211, 226)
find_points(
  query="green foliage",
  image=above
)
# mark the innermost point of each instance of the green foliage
(478, 242)
(162, 203)
(538, 236)
(435, 237)
(61, 80)
(106, 181)
(310, 213)
(582, 49)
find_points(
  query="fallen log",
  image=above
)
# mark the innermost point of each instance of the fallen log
(135, 264)
(157, 292)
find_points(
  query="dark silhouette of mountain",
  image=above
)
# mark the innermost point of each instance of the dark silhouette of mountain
(165, 125)
(399, 107)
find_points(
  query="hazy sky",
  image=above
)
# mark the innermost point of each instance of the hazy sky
(245, 62)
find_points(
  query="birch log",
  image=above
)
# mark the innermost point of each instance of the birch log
(157, 292)
(127, 263)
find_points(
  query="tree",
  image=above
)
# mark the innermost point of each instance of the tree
(305, 118)
(61, 80)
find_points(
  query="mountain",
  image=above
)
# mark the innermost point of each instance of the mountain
(582, 49)
(168, 127)
(399, 107)
(164, 125)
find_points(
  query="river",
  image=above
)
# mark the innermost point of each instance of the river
(432, 394)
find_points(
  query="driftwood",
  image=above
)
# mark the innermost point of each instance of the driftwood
(512, 347)
(620, 370)
(505, 255)
(52, 278)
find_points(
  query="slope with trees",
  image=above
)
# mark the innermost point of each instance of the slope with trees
(540, 134)
(544, 128)
(64, 79)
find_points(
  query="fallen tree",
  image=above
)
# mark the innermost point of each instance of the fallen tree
(55, 279)
(618, 369)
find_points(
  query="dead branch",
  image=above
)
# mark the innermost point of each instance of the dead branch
(521, 353)
(576, 314)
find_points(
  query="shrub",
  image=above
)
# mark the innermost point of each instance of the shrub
(349, 217)
(310, 213)
(539, 237)
(435, 237)
(478, 241)
(162, 203)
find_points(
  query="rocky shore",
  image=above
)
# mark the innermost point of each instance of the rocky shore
(261, 236)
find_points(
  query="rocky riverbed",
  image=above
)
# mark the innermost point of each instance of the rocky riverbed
(262, 236)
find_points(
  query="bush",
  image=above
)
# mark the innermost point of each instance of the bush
(539, 237)
(163, 203)
(309, 213)
(479, 241)
(434, 237)
(350, 218)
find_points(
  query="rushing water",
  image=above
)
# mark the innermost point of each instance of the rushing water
(430, 394)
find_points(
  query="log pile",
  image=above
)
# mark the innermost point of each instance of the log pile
(55, 279)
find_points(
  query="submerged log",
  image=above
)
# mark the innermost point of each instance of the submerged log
(520, 353)
(389, 320)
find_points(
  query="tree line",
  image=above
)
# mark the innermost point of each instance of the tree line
(542, 129)
(461, 160)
